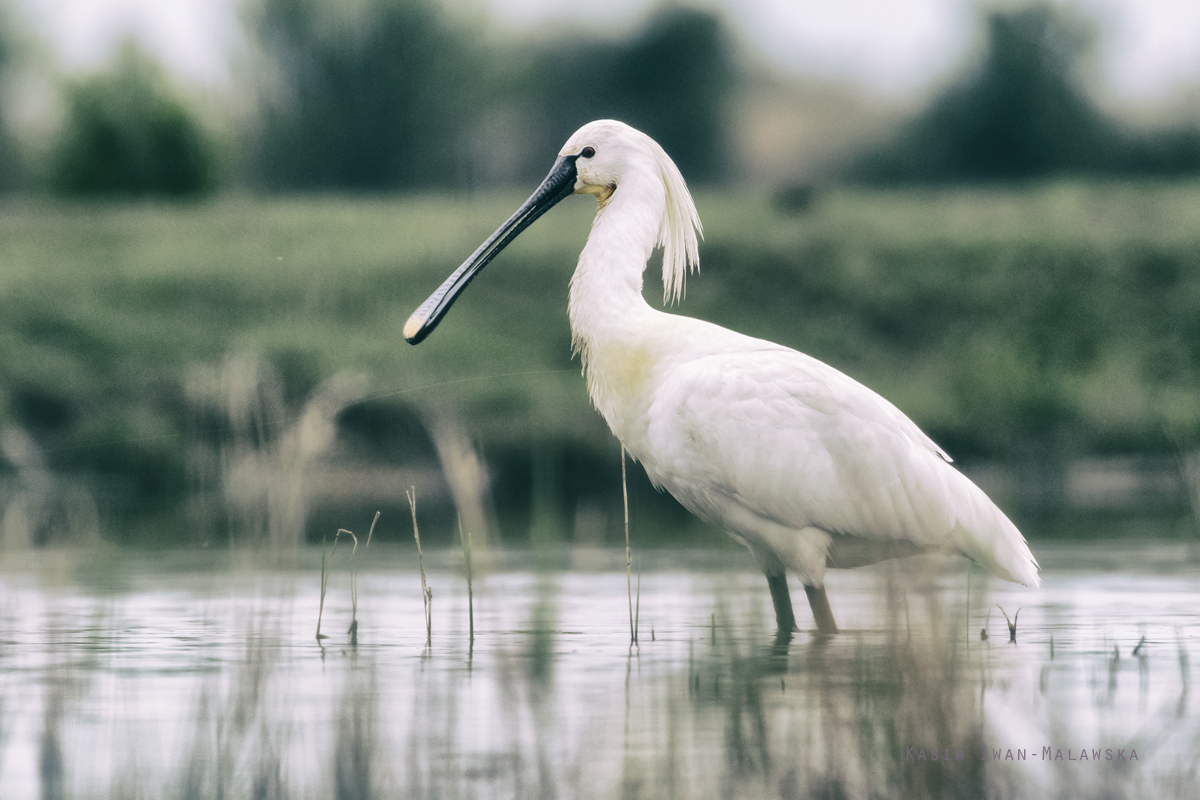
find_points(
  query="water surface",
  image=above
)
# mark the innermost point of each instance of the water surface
(199, 675)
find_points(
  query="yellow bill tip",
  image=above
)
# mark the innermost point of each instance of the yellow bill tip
(414, 325)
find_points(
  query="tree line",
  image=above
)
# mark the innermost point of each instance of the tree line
(387, 95)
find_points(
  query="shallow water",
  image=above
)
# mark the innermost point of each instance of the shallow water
(184, 676)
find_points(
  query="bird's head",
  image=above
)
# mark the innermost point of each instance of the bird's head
(596, 160)
(604, 151)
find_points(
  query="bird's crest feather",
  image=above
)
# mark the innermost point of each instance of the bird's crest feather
(681, 228)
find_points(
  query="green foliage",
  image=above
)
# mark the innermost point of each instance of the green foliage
(1019, 328)
(11, 165)
(1022, 112)
(672, 79)
(395, 94)
(1025, 327)
(126, 133)
(375, 97)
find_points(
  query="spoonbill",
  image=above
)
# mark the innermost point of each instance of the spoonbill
(808, 468)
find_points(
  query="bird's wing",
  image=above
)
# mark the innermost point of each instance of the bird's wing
(797, 442)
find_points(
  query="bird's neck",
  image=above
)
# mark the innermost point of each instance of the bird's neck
(611, 323)
(606, 290)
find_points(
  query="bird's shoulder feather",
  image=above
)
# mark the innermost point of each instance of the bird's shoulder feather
(795, 441)
(784, 388)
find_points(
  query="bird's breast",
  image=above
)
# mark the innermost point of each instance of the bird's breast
(620, 382)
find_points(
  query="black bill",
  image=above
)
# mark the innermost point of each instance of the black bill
(557, 185)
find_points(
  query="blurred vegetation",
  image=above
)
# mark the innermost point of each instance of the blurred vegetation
(388, 94)
(1023, 330)
(1023, 112)
(384, 95)
(148, 353)
(10, 160)
(127, 132)
(674, 79)
(374, 95)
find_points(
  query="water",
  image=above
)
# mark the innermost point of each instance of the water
(188, 676)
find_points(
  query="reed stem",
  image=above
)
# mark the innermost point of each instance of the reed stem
(324, 584)
(628, 554)
(426, 592)
(465, 538)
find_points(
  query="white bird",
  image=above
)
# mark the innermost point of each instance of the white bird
(805, 466)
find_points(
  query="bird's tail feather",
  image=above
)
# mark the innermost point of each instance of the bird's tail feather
(990, 538)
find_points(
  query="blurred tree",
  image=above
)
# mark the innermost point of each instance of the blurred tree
(126, 132)
(673, 79)
(1172, 151)
(391, 93)
(1022, 112)
(372, 96)
(10, 161)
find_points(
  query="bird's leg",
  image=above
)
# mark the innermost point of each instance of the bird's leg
(782, 598)
(819, 601)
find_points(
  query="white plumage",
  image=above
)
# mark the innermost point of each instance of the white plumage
(806, 466)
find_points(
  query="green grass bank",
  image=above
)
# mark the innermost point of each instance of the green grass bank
(147, 350)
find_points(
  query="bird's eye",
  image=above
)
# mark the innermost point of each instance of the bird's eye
(587, 152)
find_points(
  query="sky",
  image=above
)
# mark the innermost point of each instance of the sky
(1150, 49)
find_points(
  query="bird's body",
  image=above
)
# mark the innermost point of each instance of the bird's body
(804, 465)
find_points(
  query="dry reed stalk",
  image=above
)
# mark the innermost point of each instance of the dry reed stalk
(465, 538)
(467, 477)
(353, 586)
(637, 606)
(324, 584)
(426, 592)
(353, 630)
(325, 577)
(1012, 623)
(968, 602)
(629, 555)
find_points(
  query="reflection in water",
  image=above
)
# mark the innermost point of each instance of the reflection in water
(205, 682)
